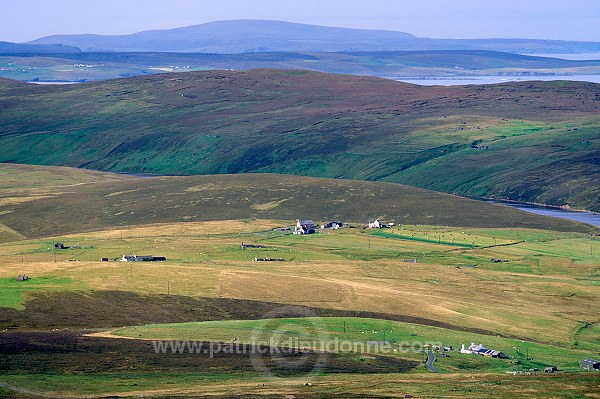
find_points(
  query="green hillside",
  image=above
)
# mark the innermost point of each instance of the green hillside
(324, 125)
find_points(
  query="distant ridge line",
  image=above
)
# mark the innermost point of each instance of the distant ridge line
(246, 36)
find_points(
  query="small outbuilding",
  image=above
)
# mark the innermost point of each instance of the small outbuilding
(550, 369)
(590, 364)
(332, 225)
(22, 277)
(142, 258)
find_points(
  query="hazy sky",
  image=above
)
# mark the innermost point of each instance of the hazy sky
(23, 20)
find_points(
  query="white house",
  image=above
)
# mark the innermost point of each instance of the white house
(377, 225)
(479, 349)
(332, 225)
(304, 227)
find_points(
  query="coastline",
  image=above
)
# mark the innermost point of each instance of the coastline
(566, 208)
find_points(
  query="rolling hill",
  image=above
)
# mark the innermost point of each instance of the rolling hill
(239, 36)
(67, 200)
(22, 48)
(471, 140)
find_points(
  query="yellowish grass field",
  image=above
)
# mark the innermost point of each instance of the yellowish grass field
(544, 293)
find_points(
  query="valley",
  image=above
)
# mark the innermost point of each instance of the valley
(82, 326)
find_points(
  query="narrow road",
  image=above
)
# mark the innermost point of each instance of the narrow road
(430, 360)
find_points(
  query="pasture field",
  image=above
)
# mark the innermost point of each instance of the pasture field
(229, 384)
(544, 286)
(539, 307)
(366, 336)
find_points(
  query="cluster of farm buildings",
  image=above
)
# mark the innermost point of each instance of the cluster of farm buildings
(479, 349)
(307, 226)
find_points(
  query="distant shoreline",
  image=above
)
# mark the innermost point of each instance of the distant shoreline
(54, 82)
(536, 204)
(430, 80)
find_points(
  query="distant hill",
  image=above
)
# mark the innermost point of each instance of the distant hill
(528, 141)
(9, 83)
(241, 36)
(17, 48)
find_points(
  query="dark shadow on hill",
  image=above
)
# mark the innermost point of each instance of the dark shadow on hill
(109, 309)
(67, 352)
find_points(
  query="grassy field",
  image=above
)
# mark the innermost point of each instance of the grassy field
(345, 334)
(347, 270)
(539, 307)
(130, 369)
(428, 278)
(364, 128)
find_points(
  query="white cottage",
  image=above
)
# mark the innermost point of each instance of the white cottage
(377, 225)
(304, 227)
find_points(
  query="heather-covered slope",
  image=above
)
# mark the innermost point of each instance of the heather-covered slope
(531, 141)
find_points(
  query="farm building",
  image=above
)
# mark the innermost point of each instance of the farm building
(332, 225)
(142, 258)
(550, 369)
(22, 277)
(304, 227)
(377, 225)
(252, 246)
(479, 349)
(590, 364)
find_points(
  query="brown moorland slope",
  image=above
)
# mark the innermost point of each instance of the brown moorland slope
(123, 201)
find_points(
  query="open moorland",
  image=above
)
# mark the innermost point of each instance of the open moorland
(531, 141)
(81, 327)
(68, 200)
